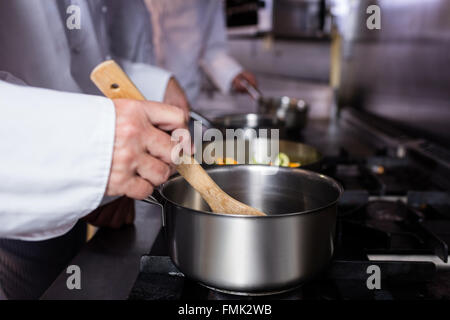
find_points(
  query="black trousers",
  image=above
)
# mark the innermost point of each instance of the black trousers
(28, 268)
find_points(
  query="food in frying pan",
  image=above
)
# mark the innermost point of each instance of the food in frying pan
(223, 161)
(282, 160)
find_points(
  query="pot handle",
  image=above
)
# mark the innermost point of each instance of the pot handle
(151, 199)
(205, 121)
(251, 90)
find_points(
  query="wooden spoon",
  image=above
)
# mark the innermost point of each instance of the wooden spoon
(115, 84)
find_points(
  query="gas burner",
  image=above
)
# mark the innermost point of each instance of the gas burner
(344, 279)
(292, 294)
(226, 293)
(379, 176)
(398, 175)
(385, 211)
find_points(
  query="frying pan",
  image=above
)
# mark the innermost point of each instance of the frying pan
(257, 148)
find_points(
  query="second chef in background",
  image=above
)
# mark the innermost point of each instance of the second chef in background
(189, 39)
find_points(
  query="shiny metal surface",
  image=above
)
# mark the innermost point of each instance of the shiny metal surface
(254, 92)
(440, 265)
(253, 254)
(198, 117)
(402, 71)
(274, 113)
(287, 114)
(248, 120)
(292, 112)
(250, 123)
(299, 18)
(257, 148)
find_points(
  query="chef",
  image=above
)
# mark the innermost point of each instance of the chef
(66, 153)
(189, 37)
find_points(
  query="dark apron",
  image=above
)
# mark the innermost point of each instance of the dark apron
(28, 268)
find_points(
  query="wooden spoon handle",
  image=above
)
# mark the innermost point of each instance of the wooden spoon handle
(114, 83)
(199, 179)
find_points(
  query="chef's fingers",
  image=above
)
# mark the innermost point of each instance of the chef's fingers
(183, 142)
(138, 188)
(167, 148)
(159, 144)
(153, 170)
(164, 116)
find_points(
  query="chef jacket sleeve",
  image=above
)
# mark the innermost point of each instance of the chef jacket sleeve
(151, 81)
(55, 157)
(216, 61)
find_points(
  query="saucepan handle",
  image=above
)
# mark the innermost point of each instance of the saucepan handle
(251, 90)
(198, 117)
(152, 199)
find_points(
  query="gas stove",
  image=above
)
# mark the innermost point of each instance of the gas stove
(393, 219)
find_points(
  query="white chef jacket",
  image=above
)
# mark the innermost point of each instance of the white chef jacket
(190, 36)
(56, 147)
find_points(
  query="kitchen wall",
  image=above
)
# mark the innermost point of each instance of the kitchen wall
(401, 72)
(295, 68)
(298, 59)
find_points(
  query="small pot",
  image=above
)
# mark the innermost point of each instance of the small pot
(252, 255)
(292, 112)
(289, 111)
(250, 123)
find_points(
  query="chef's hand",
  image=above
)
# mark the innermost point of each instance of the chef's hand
(114, 215)
(244, 75)
(142, 150)
(175, 96)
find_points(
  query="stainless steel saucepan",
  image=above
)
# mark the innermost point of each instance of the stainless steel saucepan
(252, 122)
(291, 112)
(287, 114)
(252, 255)
(249, 122)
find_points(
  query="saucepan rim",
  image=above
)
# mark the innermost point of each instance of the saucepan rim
(320, 176)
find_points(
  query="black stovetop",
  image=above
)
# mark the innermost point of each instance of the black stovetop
(390, 207)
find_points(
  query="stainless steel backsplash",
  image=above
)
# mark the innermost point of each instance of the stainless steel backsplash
(401, 72)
